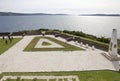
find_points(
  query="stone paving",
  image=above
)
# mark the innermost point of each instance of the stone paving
(17, 60)
(47, 78)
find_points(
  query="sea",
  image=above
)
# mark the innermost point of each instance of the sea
(95, 25)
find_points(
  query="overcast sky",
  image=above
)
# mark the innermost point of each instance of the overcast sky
(60, 6)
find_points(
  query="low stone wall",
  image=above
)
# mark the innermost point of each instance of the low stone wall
(91, 43)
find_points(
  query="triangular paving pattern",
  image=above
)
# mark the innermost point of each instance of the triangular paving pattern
(53, 44)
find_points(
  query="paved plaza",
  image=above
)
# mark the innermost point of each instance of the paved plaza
(17, 60)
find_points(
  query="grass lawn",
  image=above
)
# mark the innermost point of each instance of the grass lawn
(4, 46)
(67, 47)
(83, 75)
(46, 44)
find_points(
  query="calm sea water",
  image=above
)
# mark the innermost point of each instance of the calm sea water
(95, 25)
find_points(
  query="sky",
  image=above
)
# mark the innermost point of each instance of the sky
(61, 6)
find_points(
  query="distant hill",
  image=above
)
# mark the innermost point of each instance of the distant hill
(35, 14)
(99, 15)
(24, 14)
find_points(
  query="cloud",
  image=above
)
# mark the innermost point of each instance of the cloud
(66, 6)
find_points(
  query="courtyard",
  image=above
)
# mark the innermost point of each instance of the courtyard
(16, 59)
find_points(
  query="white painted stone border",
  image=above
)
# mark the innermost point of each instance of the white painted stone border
(43, 77)
(53, 44)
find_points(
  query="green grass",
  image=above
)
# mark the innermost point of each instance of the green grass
(4, 46)
(46, 44)
(93, 40)
(65, 79)
(27, 80)
(83, 75)
(60, 79)
(9, 79)
(67, 47)
(73, 79)
(52, 79)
